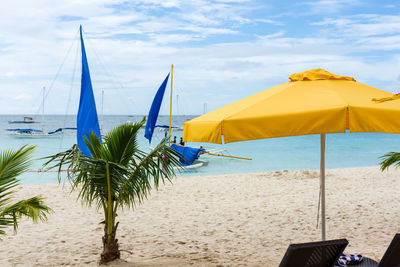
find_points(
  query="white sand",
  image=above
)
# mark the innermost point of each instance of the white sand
(226, 220)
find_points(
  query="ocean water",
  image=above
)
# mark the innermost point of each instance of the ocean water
(300, 152)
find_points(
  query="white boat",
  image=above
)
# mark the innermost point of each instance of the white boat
(25, 132)
(26, 120)
(196, 164)
(35, 133)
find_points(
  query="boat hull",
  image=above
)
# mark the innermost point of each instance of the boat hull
(12, 122)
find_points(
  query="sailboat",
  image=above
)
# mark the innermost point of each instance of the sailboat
(87, 120)
(32, 132)
(190, 154)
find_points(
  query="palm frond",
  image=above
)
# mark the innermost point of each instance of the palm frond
(68, 158)
(94, 145)
(121, 142)
(33, 208)
(148, 169)
(88, 173)
(389, 159)
(93, 181)
(12, 164)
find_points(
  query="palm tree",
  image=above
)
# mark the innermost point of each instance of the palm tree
(117, 175)
(12, 164)
(391, 158)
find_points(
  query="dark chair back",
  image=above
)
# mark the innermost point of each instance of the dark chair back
(314, 254)
(392, 254)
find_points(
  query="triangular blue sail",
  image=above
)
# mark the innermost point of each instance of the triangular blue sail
(154, 110)
(87, 121)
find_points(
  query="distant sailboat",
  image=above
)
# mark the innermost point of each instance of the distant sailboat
(21, 132)
(31, 132)
(87, 120)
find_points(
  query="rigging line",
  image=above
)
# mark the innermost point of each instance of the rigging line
(59, 68)
(33, 110)
(70, 94)
(62, 64)
(110, 74)
(180, 104)
(177, 94)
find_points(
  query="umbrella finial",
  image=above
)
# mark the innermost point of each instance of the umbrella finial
(317, 74)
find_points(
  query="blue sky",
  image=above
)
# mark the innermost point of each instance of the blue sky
(222, 50)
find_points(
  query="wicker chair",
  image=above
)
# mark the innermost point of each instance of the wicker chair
(391, 258)
(314, 254)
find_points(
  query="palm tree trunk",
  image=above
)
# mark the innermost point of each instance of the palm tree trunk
(110, 245)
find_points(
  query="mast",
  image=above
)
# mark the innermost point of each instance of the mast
(170, 106)
(177, 104)
(44, 91)
(102, 114)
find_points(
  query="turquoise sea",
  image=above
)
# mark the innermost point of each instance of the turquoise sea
(301, 152)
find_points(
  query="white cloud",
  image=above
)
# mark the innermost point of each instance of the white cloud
(9, 74)
(329, 6)
(390, 6)
(363, 25)
(269, 21)
(22, 97)
(137, 48)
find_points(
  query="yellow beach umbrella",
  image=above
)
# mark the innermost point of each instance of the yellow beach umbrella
(312, 102)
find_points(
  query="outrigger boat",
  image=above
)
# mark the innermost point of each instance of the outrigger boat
(27, 132)
(189, 160)
(190, 155)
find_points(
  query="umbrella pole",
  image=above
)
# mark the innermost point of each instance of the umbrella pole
(322, 189)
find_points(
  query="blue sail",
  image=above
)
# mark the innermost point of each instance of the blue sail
(87, 121)
(154, 110)
(189, 154)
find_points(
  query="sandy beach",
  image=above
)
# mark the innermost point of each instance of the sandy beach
(219, 220)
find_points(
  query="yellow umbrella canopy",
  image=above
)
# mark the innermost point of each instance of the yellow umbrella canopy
(312, 102)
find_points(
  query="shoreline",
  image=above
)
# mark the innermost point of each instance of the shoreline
(216, 220)
(193, 175)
